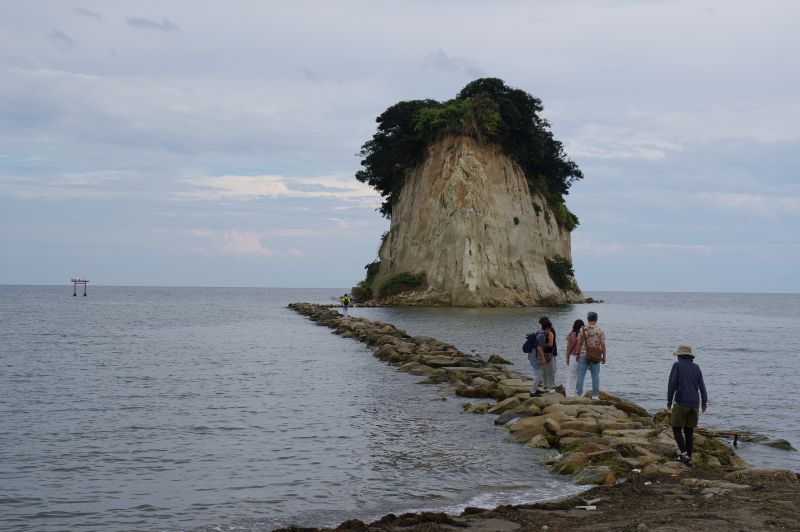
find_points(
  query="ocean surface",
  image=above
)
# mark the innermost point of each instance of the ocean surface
(219, 409)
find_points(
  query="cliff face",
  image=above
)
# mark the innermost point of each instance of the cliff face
(454, 220)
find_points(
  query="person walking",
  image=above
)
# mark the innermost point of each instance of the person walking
(550, 354)
(573, 354)
(592, 349)
(345, 299)
(534, 347)
(688, 391)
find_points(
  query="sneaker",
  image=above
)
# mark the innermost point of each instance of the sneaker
(686, 460)
(595, 398)
(537, 393)
(551, 390)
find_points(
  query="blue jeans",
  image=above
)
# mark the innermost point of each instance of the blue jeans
(594, 368)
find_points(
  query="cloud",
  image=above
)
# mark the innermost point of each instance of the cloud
(754, 203)
(596, 248)
(243, 188)
(589, 247)
(700, 249)
(62, 40)
(439, 60)
(90, 179)
(619, 142)
(88, 13)
(313, 77)
(239, 243)
(146, 23)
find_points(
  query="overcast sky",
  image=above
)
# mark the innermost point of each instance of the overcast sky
(214, 143)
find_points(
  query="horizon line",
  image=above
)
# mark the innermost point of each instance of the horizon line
(66, 284)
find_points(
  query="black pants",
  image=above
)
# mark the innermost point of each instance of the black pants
(685, 445)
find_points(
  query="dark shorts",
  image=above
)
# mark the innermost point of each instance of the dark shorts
(684, 416)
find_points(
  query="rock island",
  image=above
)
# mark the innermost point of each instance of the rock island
(474, 188)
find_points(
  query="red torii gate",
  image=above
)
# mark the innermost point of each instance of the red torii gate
(76, 282)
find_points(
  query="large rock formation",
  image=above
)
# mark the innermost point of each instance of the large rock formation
(466, 218)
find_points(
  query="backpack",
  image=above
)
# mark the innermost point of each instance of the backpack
(594, 344)
(530, 344)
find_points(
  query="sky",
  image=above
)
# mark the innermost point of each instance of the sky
(201, 143)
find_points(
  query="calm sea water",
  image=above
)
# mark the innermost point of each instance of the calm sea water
(220, 409)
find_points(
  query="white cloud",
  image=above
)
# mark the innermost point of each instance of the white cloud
(608, 141)
(439, 60)
(700, 249)
(238, 243)
(596, 248)
(89, 179)
(589, 247)
(769, 206)
(243, 188)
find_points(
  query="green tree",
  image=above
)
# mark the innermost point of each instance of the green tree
(486, 109)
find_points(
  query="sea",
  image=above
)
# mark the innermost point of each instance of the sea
(219, 409)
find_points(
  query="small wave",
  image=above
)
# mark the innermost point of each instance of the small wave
(70, 469)
(57, 515)
(497, 498)
(21, 501)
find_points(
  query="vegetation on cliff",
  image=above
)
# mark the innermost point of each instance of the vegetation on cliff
(363, 290)
(485, 109)
(561, 272)
(402, 282)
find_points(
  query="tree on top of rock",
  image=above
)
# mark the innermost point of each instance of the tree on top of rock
(485, 109)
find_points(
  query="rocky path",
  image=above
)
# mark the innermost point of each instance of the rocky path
(596, 442)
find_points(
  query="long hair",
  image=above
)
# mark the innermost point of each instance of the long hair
(577, 326)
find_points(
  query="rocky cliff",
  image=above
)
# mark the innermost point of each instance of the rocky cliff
(466, 218)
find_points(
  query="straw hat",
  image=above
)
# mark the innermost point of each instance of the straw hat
(684, 350)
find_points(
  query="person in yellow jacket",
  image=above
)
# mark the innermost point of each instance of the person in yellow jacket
(346, 302)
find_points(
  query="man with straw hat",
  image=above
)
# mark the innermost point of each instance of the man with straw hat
(686, 388)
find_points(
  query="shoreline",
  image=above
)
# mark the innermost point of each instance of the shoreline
(612, 443)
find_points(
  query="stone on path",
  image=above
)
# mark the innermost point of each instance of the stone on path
(595, 475)
(504, 405)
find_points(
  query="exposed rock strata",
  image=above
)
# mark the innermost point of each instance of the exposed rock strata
(466, 218)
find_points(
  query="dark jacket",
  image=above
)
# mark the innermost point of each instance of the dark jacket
(685, 380)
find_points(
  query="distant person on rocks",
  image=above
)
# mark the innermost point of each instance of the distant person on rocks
(534, 347)
(573, 356)
(550, 354)
(345, 299)
(592, 349)
(686, 388)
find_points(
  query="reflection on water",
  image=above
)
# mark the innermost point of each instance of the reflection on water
(179, 408)
(744, 343)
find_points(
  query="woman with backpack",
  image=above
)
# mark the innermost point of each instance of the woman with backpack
(573, 355)
(550, 353)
